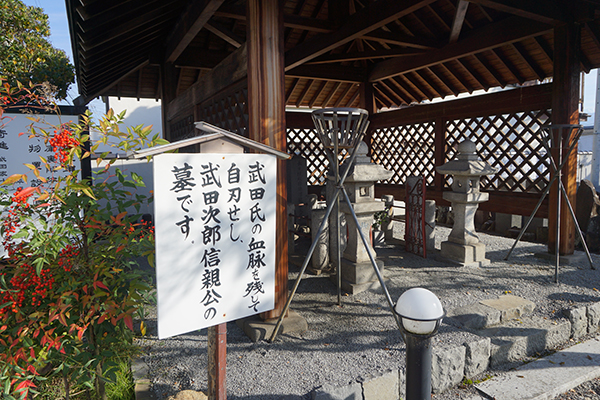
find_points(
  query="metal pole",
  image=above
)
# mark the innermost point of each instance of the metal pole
(559, 179)
(548, 187)
(319, 232)
(418, 367)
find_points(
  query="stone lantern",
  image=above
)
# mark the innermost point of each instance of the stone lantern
(463, 246)
(357, 271)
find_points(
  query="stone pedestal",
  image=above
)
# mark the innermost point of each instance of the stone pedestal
(463, 247)
(357, 270)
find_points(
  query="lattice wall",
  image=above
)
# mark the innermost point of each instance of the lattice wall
(228, 111)
(406, 150)
(306, 143)
(511, 143)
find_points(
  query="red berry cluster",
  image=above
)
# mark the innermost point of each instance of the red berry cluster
(61, 143)
(27, 285)
(67, 256)
(11, 221)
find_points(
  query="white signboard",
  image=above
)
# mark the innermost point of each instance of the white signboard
(215, 238)
(15, 150)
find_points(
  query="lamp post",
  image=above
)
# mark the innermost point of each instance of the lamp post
(420, 314)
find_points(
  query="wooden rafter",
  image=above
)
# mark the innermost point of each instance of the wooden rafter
(318, 92)
(449, 67)
(424, 88)
(549, 12)
(444, 82)
(530, 62)
(291, 90)
(492, 71)
(324, 72)
(432, 83)
(506, 31)
(473, 73)
(305, 91)
(401, 39)
(459, 19)
(188, 26)
(344, 94)
(289, 21)
(332, 92)
(506, 63)
(364, 55)
(224, 33)
(367, 20)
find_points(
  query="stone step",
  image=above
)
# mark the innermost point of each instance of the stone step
(547, 377)
(491, 312)
(524, 337)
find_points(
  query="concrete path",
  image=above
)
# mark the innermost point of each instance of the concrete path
(547, 377)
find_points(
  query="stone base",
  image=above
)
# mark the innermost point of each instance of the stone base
(257, 329)
(464, 255)
(358, 277)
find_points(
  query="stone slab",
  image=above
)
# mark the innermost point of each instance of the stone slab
(383, 387)
(447, 367)
(477, 357)
(510, 306)
(257, 329)
(593, 314)
(579, 321)
(330, 392)
(475, 316)
(549, 376)
(525, 337)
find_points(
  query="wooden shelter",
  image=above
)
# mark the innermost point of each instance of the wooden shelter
(239, 63)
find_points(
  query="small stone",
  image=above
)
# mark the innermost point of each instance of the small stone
(189, 395)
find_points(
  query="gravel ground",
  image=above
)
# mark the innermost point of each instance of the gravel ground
(360, 339)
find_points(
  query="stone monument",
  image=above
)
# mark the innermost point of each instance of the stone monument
(463, 246)
(357, 271)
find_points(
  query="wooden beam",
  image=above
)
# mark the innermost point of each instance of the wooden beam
(231, 69)
(266, 112)
(402, 39)
(490, 36)
(290, 21)
(367, 20)
(330, 73)
(538, 97)
(565, 110)
(188, 26)
(145, 23)
(459, 19)
(364, 55)
(593, 32)
(201, 59)
(224, 33)
(549, 12)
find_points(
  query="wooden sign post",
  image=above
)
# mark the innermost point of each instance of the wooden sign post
(215, 243)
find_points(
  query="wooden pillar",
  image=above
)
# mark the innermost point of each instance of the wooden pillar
(367, 102)
(168, 89)
(266, 112)
(440, 153)
(217, 362)
(565, 100)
